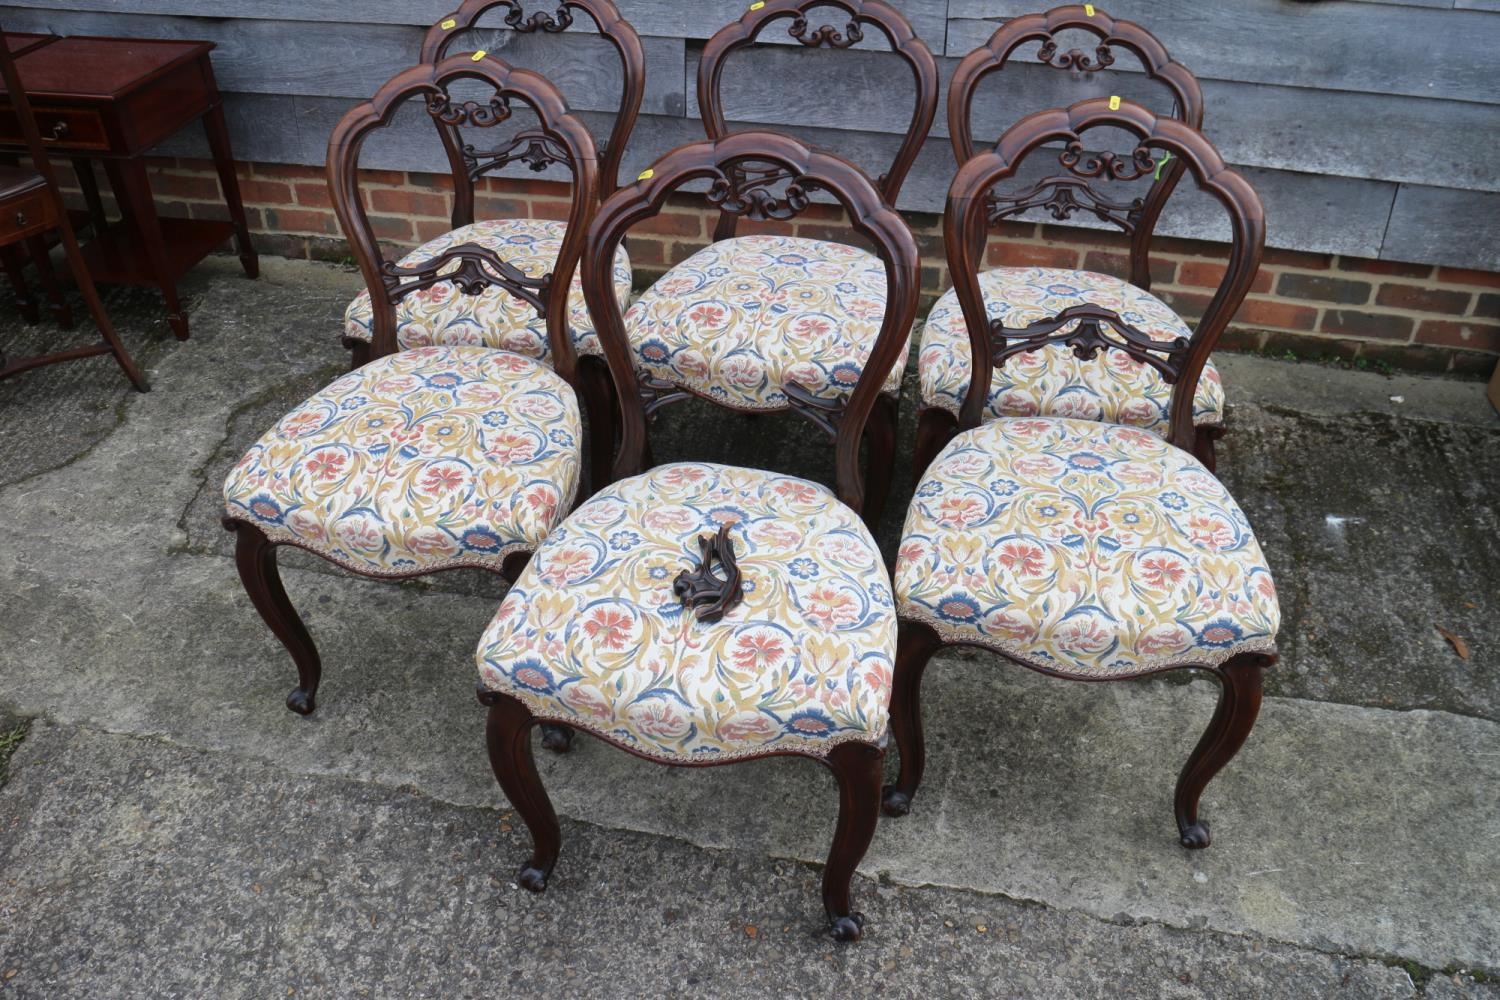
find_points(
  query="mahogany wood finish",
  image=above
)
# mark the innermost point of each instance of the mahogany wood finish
(30, 206)
(882, 16)
(115, 99)
(255, 553)
(1064, 197)
(856, 767)
(969, 213)
(469, 163)
(760, 175)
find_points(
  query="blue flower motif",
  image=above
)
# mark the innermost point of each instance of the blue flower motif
(620, 541)
(657, 572)
(481, 540)
(496, 418)
(530, 674)
(958, 607)
(727, 514)
(1220, 633)
(803, 568)
(810, 722)
(1131, 518)
(444, 380)
(844, 374)
(558, 436)
(1047, 510)
(354, 403)
(1087, 461)
(654, 351)
(1004, 487)
(1173, 501)
(930, 488)
(266, 509)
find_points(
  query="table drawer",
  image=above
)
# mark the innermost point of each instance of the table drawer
(61, 128)
(27, 215)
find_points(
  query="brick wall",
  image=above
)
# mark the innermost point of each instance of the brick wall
(1369, 312)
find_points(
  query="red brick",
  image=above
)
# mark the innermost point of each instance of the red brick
(1471, 363)
(1118, 264)
(1420, 299)
(390, 178)
(175, 185)
(546, 208)
(259, 192)
(522, 186)
(295, 220)
(1296, 258)
(315, 195)
(396, 229)
(771, 227)
(1358, 323)
(1488, 306)
(1188, 305)
(1008, 253)
(491, 207)
(1309, 345)
(430, 229)
(1469, 336)
(1463, 276)
(1270, 312)
(670, 224)
(1323, 288)
(1086, 237)
(291, 171)
(645, 252)
(1210, 274)
(404, 201)
(1392, 268)
(934, 279)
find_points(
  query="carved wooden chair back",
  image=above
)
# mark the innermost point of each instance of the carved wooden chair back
(470, 266)
(1113, 34)
(468, 164)
(889, 21)
(760, 175)
(1088, 329)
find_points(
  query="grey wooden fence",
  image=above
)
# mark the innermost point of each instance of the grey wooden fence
(1370, 127)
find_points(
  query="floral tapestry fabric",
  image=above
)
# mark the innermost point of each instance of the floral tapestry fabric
(425, 459)
(1052, 381)
(443, 314)
(740, 319)
(1083, 548)
(593, 635)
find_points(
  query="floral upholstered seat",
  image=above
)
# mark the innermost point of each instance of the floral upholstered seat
(1051, 380)
(1081, 548)
(593, 635)
(425, 459)
(741, 318)
(443, 314)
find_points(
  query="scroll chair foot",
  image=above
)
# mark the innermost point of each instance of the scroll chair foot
(915, 644)
(508, 734)
(1239, 703)
(935, 428)
(857, 768)
(255, 558)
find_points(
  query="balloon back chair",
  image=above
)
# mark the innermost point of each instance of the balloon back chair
(30, 208)
(436, 457)
(1050, 381)
(1087, 550)
(768, 322)
(496, 316)
(700, 614)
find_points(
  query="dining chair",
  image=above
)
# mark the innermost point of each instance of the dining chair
(429, 458)
(30, 208)
(1086, 550)
(695, 613)
(1051, 381)
(496, 316)
(767, 322)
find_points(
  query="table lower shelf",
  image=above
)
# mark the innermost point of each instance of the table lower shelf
(117, 256)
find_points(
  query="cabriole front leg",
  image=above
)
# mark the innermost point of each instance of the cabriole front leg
(508, 735)
(1239, 703)
(857, 767)
(255, 558)
(915, 644)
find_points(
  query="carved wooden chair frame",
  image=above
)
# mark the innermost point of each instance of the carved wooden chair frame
(38, 208)
(891, 23)
(743, 170)
(255, 553)
(469, 163)
(1137, 219)
(970, 211)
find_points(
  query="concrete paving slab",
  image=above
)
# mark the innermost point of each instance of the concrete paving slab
(129, 868)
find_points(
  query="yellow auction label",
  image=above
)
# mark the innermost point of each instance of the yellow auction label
(758, 4)
(646, 174)
(480, 55)
(1088, 9)
(446, 25)
(1114, 103)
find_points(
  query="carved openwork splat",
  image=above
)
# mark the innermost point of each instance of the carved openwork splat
(741, 189)
(826, 35)
(1106, 163)
(517, 21)
(1088, 337)
(1062, 197)
(533, 147)
(479, 268)
(707, 595)
(1075, 59)
(444, 108)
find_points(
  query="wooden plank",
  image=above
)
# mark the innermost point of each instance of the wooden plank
(1477, 5)
(1333, 45)
(658, 18)
(1442, 226)
(352, 60)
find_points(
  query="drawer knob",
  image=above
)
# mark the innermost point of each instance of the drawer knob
(21, 219)
(59, 129)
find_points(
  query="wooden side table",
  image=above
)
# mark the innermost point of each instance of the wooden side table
(114, 99)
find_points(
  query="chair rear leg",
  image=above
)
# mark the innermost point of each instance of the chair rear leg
(857, 767)
(40, 256)
(508, 735)
(1239, 704)
(915, 645)
(880, 433)
(1204, 446)
(935, 428)
(599, 401)
(255, 558)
